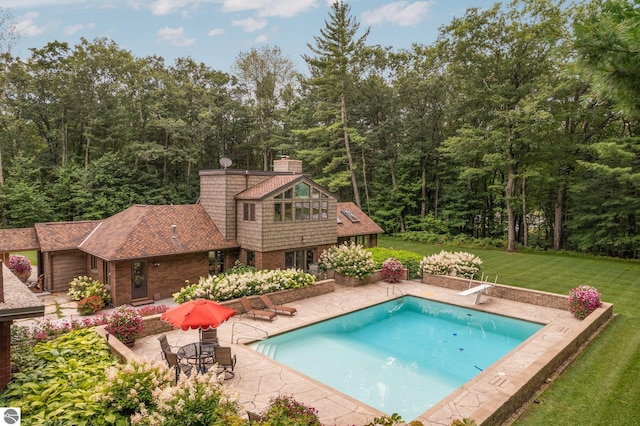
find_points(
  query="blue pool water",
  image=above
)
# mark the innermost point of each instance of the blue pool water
(401, 356)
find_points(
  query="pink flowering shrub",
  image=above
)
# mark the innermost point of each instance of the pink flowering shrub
(125, 324)
(583, 300)
(286, 411)
(19, 264)
(392, 270)
(147, 310)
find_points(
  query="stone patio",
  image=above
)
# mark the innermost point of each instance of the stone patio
(490, 398)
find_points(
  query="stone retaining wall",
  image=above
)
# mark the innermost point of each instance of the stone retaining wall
(533, 297)
(153, 324)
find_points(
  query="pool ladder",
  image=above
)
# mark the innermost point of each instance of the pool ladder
(392, 290)
(237, 339)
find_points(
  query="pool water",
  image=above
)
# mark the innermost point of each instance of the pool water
(401, 356)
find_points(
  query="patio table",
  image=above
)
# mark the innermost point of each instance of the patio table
(197, 353)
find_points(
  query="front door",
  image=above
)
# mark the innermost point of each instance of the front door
(139, 288)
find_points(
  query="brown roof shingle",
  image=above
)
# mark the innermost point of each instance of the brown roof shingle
(268, 186)
(18, 239)
(55, 236)
(144, 231)
(364, 226)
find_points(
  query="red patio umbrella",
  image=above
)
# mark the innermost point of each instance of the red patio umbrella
(198, 313)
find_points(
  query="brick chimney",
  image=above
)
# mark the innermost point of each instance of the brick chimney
(285, 165)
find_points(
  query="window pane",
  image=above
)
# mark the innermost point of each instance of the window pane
(315, 212)
(315, 193)
(302, 210)
(287, 212)
(288, 193)
(324, 213)
(252, 212)
(302, 190)
(289, 260)
(277, 212)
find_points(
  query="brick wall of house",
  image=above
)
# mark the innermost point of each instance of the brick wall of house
(162, 280)
(62, 267)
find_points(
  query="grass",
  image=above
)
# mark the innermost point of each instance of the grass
(600, 385)
(31, 255)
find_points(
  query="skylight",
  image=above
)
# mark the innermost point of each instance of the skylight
(353, 218)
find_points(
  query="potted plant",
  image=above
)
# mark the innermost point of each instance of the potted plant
(20, 266)
(126, 325)
(583, 300)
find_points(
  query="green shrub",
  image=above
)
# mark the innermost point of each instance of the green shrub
(232, 286)
(410, 260)
(130, 386)
(22, 356)
(200, 399)
(284, 410)
(348, 259)
(83, 286)
(90, 305)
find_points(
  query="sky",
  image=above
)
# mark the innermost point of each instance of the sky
(215, 32)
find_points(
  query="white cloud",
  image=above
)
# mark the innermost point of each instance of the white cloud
(174, 37)
(26, 25)
(401, 13)
(268, 8)
(215, 32)
(262, 39)
(165, 7)
(72, 29)
(250, 24)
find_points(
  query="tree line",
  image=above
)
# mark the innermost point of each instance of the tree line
(519, 123)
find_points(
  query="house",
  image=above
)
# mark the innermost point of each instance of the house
(271, 220)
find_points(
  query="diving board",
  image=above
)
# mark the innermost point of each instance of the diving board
(477, 290)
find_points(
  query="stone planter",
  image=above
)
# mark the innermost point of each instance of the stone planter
(354, 281)
(23, 276)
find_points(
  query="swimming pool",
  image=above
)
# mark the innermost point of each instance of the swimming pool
(400, 356)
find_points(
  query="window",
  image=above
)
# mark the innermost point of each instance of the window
(300, 210)
(352, 217)
(94, 263)
(216, 262)
(249, 212)
(251, 258)
(299, 259)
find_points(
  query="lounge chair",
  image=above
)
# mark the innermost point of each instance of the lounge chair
(278, 309)
(256, 313)
(172, 361)
(225, 360)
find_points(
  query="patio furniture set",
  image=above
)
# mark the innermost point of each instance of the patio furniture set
(206, 315)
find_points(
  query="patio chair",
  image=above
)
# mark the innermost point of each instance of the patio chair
(165, 346)
(225, 360)
(209, 336)
(172, 361)
(279, 309)
(256, 313)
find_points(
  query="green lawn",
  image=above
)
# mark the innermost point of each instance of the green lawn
(600, 387)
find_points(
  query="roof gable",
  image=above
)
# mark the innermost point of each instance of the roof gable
(274, 184)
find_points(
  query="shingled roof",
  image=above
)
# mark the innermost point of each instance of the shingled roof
(55, 236)
(268, 186)
(364, 225)
(18, 240)
(145, 231)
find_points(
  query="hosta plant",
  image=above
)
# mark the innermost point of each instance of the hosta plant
(583, 300)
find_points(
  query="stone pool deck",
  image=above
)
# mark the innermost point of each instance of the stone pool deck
(490, 398)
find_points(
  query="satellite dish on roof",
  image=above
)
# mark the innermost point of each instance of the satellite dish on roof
(225, 162)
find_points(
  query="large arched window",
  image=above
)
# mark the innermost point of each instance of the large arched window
(301, 203)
